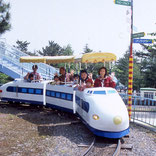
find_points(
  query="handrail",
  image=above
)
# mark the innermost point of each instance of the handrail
(12, 55)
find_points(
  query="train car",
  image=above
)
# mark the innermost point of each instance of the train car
(101, 109)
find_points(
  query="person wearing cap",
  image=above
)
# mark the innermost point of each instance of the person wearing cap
(103, 80)
(89, 83)
(36, 76)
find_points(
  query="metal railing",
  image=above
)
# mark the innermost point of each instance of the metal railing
(10, 56)
(143, 109)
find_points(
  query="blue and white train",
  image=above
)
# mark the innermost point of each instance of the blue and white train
(101, 109)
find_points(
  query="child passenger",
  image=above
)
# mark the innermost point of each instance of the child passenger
(31, 77)
(89, 84)
(56, 80)
(75, 79)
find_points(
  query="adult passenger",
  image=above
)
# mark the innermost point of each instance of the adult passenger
(62, 74)
(36, 76)
(103, 80)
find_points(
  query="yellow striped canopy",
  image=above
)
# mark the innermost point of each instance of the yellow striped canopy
(47, 59)
(98, 57)
(33, 59)
(59, 59)
(85, 58)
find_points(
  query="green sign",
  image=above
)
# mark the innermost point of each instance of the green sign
(127, 3)
(137, 35)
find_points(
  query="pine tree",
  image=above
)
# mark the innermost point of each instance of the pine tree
(4, 17)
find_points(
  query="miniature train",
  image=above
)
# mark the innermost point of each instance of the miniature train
(101, 109)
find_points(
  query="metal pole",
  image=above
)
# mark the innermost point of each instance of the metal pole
(130, 77)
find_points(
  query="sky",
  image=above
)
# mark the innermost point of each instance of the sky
(101, 24)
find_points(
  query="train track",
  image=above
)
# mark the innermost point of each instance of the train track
(88, 151)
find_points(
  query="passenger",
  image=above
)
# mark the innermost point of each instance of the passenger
(89, 84)
(56, 80)
(62, 76)
(31, 77)
(75, 79)
(36, 76)
(103, 80)
(83, 79)
(70, 76)
(84, 76)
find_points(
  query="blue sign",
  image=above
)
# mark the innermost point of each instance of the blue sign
(144, 41)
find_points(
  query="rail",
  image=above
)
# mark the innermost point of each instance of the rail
(10, 55)
(143, 109)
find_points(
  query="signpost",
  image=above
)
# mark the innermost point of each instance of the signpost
(137, 35)
(127, 3)
(143, 41)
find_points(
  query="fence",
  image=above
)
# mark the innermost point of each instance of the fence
(143, 109)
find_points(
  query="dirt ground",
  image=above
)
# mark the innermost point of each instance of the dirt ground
(35, 131)
(28, 130)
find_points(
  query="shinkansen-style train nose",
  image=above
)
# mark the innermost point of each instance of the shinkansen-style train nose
(107, 114)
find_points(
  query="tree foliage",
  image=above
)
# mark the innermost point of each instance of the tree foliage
(87, 49)
(53, 49)
(23, 46)
(4, 17)
(4, 78)
(144, 67)
(148, 65)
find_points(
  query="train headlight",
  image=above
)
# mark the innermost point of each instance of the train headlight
(95, 117)
(117, 120)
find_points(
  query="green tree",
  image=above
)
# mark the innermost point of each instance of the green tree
(23, 46)
(4, 17)
(53, 49)
(87, 49)
(122, 71)
(4, 78)
(68, 50)
(148, 65)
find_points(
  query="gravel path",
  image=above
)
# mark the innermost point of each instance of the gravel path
(34, 131)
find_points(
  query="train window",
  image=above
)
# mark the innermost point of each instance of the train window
(24, 90)
(77, 100)
(48, 93)
(58, 94)
(111, 91)
(63, 95)
(100, 92)
(11, 89)
(52, 93)
(69, 97)
(85, 106)
(38, 91)
(30, 90)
